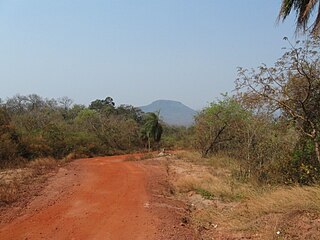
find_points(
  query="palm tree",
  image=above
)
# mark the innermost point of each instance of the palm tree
(303, 9)
(152, 128)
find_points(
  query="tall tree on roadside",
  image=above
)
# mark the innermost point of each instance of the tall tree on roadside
(152, 128)
(304, 10)
(291, 87)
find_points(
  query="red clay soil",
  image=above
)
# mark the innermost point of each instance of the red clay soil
(103, 198)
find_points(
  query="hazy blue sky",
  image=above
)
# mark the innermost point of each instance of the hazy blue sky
(135, 51)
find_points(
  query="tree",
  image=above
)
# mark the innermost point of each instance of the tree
(291, 88)
(217, 125)
(8, 138)
(303, 9)
(256, 142)
(89, 119)
(106, 105)
(130, 112)
(152, 129)
(65, 102)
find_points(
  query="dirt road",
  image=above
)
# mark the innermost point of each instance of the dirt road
(102, 198)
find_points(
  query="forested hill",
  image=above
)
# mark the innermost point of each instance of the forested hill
(172, 112)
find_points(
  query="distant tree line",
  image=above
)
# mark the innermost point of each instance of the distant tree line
(33, 127)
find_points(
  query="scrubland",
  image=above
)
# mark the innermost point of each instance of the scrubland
(223, 207)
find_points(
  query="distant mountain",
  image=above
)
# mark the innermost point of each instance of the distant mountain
(172, 112)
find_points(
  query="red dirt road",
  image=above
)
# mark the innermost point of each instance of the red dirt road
(98, 198)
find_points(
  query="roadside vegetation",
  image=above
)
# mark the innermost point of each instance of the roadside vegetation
(34, 127)
(271, 125)
(256, 169)
(224, 207)
(17, 183)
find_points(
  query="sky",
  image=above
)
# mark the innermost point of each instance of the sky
(135, 51)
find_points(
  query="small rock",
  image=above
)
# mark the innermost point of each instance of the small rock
(214, 225)
(146, 205)
(191, 193)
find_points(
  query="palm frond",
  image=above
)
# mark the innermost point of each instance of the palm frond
(316, 26)
(285, 9)
(303, 10)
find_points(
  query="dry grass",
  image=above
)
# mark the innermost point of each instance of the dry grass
(48, 163)
(282, 200)
(131, 158)
(144, 156)
(278, 201)
(189, 156)
(71, 156)
(147, 156)
(10, 180)
(13, 180)
(8, 192)
(236, 206)
(281, 213)
(216, 162)
(74, 155)
(209, 175)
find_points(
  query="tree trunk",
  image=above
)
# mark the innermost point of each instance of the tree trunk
(315, 137)
(317, 150)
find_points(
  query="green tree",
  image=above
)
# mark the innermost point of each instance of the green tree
(217, 125)
(106, 105)
(130, 112)
(176, 137)
(151, 129)
(304, 10)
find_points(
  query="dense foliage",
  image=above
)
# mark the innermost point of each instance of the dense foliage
(272, 125)
(32, 127)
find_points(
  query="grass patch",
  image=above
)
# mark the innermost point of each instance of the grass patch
(244, 207)
(284, 199)
(8, 192)
(12, 181)
(71, 156)
(189, 156)
(147, 156)
(204, 193)
(217, 161)
(43, 165)
(131, 158)
(212, 176)
(48, 163)
(251, 214)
